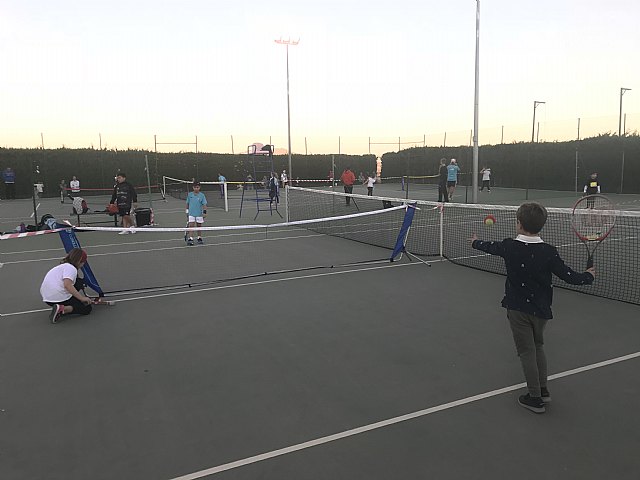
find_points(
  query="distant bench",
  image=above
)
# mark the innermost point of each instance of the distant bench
(94, 218)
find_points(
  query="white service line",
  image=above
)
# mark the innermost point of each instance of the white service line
(391, 421)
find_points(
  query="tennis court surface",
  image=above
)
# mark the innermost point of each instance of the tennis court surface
(335, 365)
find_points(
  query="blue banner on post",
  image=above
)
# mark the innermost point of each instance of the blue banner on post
(70, 241)
(404, 231)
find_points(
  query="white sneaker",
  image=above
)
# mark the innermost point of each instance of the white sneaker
(123, 232)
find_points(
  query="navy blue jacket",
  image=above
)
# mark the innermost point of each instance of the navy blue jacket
(528, 287)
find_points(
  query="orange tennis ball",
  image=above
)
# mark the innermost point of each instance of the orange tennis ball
(489, 220)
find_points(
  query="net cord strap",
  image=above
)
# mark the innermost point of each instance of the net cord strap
(241, 227)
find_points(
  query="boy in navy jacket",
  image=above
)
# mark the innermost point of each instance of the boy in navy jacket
(528, 295)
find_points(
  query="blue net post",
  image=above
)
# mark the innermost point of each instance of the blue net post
(70, 241)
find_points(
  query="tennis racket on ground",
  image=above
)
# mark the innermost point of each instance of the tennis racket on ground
(593, 219)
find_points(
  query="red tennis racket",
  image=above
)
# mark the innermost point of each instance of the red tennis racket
(593, 219)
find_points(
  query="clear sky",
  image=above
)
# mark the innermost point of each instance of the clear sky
(128, 70)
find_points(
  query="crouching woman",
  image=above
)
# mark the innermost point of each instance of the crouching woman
(59, 290)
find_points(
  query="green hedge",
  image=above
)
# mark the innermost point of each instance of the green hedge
(521, 165)
(96, 168)
(540, 165)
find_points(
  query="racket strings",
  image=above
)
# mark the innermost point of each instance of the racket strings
(593, 217)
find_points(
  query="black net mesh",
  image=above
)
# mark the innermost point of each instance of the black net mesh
(445, 229)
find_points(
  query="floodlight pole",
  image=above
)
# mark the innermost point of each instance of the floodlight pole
(533, 136)
(533, 128)
(622, 90)
(474, 183)
(286, 43)
(621, 134)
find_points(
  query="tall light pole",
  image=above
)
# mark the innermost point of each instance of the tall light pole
(286, 43)
(533, 136)
(621, 134)
(474, 183)
(622, 90)
(533, 128)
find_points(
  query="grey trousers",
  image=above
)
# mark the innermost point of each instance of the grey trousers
(528, 336)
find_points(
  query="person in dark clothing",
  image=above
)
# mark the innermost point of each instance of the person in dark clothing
(443, 194)
(591, 187)
(530, 264)
(9, 179)
(124, 195)
(274, 188)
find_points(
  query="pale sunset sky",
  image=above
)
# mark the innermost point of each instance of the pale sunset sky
(77, 71)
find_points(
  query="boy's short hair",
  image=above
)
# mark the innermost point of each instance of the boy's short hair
(121, 174)
(532, 216)
(196, 183)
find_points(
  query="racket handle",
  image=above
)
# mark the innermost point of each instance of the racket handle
(590, 262)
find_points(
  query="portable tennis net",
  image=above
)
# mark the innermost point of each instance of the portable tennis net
(216, 192)
(158, 258)
(443, 230)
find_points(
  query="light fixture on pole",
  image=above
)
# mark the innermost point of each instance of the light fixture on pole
(622, 90)
(533, 128)
(286, 43)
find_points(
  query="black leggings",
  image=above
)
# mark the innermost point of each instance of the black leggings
(443, 193)
(79, 308)
(348, 189)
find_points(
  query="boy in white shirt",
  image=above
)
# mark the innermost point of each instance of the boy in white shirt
(486, 178)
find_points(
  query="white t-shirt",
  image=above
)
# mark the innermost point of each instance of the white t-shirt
(75, 186)
(486, 174)
(283, 177)
(52, 288)
(371, 181)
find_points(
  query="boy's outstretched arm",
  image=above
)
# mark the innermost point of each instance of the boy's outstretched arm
(567, 274)
(494, 248)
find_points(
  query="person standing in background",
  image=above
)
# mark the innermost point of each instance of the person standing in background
(452, 177)
(486, 178)
(222, 179)
(591, 187)
(63, 190)
(348, 178)
(371, 179)
(74, 184)
(443, 195)
(9, 179)
(124, 195)
(197, 211)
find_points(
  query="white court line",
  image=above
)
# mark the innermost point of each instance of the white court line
(37, 207)
(235, 285)
(391, 421)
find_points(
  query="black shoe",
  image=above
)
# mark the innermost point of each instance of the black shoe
(200, 242)
(535, 404)
(56, 312)
(546, 396)
(190, 242)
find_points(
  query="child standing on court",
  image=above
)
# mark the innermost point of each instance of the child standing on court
(196, 210)
(529, 293)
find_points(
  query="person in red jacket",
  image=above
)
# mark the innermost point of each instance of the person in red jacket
(348, 178)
